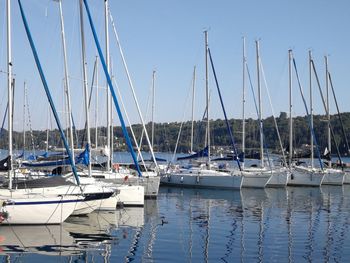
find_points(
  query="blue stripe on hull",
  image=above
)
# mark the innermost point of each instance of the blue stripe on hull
(44, 202)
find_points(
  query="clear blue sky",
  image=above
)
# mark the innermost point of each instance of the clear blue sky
(167, 36)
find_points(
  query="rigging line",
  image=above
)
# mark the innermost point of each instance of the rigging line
(3, 120)
(224, 111)
(13, 227)
(146, 115)
(339, 116)
(327, 112)
(89, 103)
(53, 212)
(252, 89)
(29, 120)
(257, 113)
(307, 113)
(130, 83)
(182, 123)
(273, 114)
(130, 125)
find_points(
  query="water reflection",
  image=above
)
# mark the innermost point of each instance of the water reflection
(47, 240)
(79, 238)
(197, 225)
(263, 225)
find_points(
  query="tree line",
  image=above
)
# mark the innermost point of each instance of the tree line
(167, 134)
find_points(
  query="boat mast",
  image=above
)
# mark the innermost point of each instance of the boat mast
(193, 99)
(109, 155)
(311, 113)
(86, 97)
(96, 109)
(207, 93)
(111, 119)
(243, 103)
(24, 115)
(260, 105)
(9, 90)
(47, 130)
(328, 114)
(153, 103)
(66, 80)
(290, 56)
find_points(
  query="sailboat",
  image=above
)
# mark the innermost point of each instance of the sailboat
(259, 177)
(203, 176)
(98, 195)
(332, 175)
(145, 183)
(302, 176)
(16, 207)
(137, 200)
(341, 163)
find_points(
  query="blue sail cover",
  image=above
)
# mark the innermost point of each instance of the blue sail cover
(82, 158)
(20, 156)
(158, 159)
(201, 153)
(33, 157)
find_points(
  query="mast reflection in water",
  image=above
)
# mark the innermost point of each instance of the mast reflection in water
(186, 225)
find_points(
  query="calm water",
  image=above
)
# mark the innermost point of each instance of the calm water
(186, 225)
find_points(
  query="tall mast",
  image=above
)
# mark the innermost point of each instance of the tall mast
(193, 100)
(47, 130)
(153, 106)
(108, 167)
(66, 80)
(24, 115)
(328, 114)
(243, 103)
(86, 97)
(111, 119)
(9, 90)
(96, 109)
(260, 105)
(290, 56)
(311, 114)
(207, 93)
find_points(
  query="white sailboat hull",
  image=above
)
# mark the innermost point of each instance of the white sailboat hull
(333, 177)
(38, 210)
(131, 195)
(303, 176)
(127, 195)
(150, 184)
(202, 179)
(150, 180)
(92, 185)
(279, 178)
(108, 203)
(346, 177)
(256, 178)
(84, 207)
